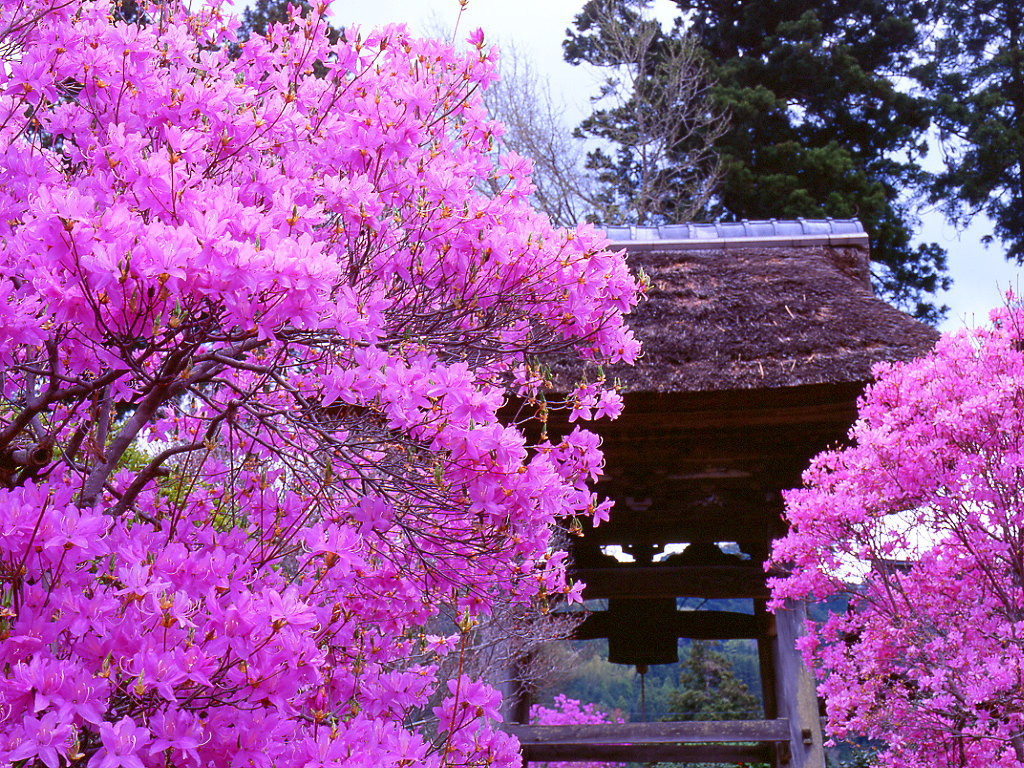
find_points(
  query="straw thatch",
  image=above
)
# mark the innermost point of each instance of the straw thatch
(758, 316)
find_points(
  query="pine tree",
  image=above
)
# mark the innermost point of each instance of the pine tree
(708, 688)
(818, 126)
(974, 76)
(655, 118)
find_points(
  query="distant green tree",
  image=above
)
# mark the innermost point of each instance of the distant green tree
(616, 686)
(263, 14)
(817, 125)
(708, 688)
(848, 755)
(974, 77)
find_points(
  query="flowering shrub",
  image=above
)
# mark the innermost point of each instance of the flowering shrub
(257, 325)
(567, 711)
(920, 523)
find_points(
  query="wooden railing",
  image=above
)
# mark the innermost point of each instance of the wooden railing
(712, 741)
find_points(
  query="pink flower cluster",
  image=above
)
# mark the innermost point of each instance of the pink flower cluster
(567, 711)
(258, 325)
(920, 524)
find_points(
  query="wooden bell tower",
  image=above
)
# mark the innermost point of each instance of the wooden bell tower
(758, 339)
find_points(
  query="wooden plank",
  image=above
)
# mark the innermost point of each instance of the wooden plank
(711, 581)
(696, 625)
(651, 753)
(738, 443)
(644, 411)
(682, 501)
(688, 732)
(780, 415)
(795, 690)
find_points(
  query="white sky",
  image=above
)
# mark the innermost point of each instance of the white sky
(537, 27)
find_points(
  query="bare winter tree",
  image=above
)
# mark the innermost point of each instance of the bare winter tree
(654, 118)
(535, 128)
(522, 650)
(672, 173)
(661, 168)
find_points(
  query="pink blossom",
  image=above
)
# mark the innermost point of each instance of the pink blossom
(569, 711)
(47, 739)
(123, 742)
(175, 732)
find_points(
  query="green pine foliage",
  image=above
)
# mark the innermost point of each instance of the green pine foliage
(973, 73)
(709, 689)
(615, 687)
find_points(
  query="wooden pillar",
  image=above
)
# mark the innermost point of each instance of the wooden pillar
(795, 691)
(766, 657)
(517, 699)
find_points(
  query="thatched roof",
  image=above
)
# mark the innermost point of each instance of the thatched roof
(789, 305)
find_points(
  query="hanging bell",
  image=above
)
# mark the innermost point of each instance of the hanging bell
(641, 631)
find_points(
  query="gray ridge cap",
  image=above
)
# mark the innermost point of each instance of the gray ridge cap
(745, 233)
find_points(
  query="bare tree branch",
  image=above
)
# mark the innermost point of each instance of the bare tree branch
(535, 128)
(656, 112)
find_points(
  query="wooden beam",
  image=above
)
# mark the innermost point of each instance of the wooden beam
(710, 581)
(651, 753)
(520, 699)
(783, 415)
(719, 526)
(687, 732)
(679, 502)
(836, 395)
(696, 625)
(740, 445)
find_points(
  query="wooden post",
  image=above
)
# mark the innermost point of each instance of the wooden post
(766, 657)
(517, 699)
(795, 691)
(522, 697)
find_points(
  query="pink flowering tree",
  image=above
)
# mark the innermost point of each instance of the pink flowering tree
(257, 325)
(920, 524)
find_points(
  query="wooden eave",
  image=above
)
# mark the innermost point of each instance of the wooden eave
(686, 466)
